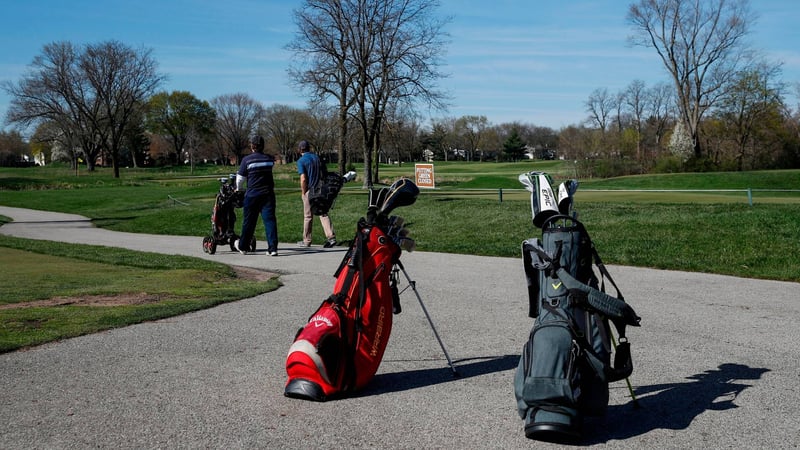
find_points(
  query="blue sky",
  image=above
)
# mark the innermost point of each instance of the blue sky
(530, 61)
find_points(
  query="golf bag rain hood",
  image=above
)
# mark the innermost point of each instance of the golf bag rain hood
(565, 366)
(342, 344)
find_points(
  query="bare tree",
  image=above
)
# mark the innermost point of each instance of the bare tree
(322, 130)
(599, 106)
(285, 125)
(369, 55)
(635, 101)
(701, 44)
(471, 129)
(321, 49)
(92, 96)
(402, 136)
(121, 79)
(54, 90)
(660, 108)
(238, 116)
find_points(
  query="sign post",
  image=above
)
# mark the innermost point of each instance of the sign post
(423, 173)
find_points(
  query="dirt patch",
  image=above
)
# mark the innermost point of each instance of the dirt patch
(251, 274)
(244, 273)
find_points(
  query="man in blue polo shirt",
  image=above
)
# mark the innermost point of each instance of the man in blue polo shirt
(259, 197)
(311, 170)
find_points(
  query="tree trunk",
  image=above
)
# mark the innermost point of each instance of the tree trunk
(342, 137)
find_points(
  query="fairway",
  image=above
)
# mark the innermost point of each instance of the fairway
(476, 208)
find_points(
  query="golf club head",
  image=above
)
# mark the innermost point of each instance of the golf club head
(396, 221)
(402, 192)
(407, 244)
(566, 192)
(376, 197)
(349, 176)
(543, 200)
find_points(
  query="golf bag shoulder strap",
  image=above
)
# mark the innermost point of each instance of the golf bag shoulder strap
(615, 309)
(604, 274)
(352, 263)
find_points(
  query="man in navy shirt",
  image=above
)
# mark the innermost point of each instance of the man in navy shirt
(259, 197)
(311, 170)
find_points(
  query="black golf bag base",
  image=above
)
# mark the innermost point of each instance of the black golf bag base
(551, 426)
(304, 389)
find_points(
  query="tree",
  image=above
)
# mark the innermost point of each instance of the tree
(13, 148)
(634, 99)
(368, 56)
(471, 129)
(320, 46)
(402, 137)
(284, 124)
(599, 106)
(513, 146)
(660, 100)
(322, 131)
(90, 94)
(54, 90)
(701, 44)
(238, 116)
(121, 79)
(753, 102)
(681, 144)
(179, 116)
(41, 142)
(135, 141)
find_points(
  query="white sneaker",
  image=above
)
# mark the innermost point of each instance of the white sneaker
(236, 245)
(304, 244)
(273, 253)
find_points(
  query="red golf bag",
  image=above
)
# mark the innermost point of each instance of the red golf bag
(341, 346)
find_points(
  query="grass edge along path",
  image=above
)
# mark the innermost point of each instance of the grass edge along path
(78, 305)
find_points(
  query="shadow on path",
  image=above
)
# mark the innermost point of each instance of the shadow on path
(403, 381)
(672, 406)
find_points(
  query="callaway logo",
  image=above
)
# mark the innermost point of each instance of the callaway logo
(556, 285)
(320, 321)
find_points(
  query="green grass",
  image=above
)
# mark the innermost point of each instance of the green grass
(715, 232)
(160, 285)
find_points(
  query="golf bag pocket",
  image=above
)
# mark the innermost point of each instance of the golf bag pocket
(548, 369)
(315, 362)
(547, 382)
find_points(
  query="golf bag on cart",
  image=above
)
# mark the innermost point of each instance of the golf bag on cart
(342, 344)
(565, 366)
(223, 217)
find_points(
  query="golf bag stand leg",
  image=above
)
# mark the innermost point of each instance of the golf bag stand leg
(413, 285)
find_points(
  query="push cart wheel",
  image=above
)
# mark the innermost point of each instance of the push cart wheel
(207, 241)
(232, 241)
(253, 244)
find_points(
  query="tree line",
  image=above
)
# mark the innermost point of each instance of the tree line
(369, 67)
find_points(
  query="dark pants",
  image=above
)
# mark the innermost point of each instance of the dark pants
(253, 206)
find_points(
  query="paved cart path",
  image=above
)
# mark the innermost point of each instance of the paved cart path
(716, 362)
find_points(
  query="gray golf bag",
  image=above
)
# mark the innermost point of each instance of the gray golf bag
(565, 366)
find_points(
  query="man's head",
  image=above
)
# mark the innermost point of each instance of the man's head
(257, 143)
(303, 147)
